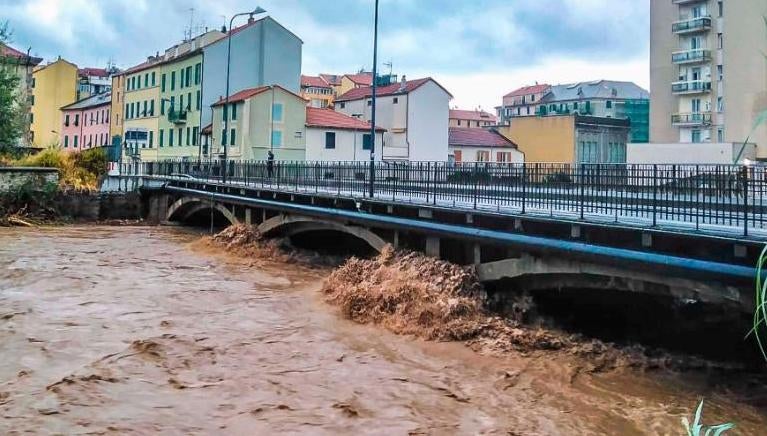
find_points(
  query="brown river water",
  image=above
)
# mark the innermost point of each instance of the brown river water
(133, 330)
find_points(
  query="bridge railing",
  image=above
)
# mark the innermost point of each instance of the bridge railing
(728, 196)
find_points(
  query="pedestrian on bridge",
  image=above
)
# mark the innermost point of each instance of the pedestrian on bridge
(270, 163)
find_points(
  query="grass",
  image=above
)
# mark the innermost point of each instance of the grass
(698, 429)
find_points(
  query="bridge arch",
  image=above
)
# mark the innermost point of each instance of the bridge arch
(185, 207)
(290, 225)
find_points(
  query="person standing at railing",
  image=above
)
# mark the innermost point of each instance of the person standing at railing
(270, 163)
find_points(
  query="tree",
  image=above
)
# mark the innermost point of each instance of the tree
(11, 107)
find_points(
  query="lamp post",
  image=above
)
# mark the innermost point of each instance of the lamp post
(373, 105)
(258, 10)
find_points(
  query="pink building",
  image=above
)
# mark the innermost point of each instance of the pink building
(85, 123)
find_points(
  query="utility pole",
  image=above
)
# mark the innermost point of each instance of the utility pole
(373, 104)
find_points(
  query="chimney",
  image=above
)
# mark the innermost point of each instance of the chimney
(251, 20)
(223, 29)
(403, 83)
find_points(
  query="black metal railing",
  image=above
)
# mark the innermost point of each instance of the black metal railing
(691, 25)
(691, 197)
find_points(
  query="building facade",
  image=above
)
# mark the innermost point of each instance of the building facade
(180, 107)
(469, 144)
(316, 91)
(116, 110)
(54, 86)
(569, 138)
(414, 113)
(259, 120)
(92, 81)
(333, 136)
(708, 72)
(476, 119)
(264, 53)
(22, 65)
(141, 110)
(355, 81)
(522, 102)
(86, 123)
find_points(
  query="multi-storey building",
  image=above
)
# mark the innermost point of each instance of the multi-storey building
(181, 106)
(599, 98)
(54, 86)
(415, 114)
(141, 109)
(707, 71)
(117, 103)
(85, 124)
(93, 81)
(475, 119)
(22, 64)
(317, 91)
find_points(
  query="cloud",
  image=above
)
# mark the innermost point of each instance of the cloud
(514, 42)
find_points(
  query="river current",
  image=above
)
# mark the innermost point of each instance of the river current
(137, 330)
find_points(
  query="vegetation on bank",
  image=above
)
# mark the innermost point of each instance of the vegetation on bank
(80, 171)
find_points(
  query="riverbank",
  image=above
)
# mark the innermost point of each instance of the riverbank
(158, 336)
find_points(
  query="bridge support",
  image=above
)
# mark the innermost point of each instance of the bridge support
(432, 246)
(248, 216)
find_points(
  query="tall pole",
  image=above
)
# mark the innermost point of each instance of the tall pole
(373, 104)
(226, 101)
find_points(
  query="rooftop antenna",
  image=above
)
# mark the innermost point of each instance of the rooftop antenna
(389, 64)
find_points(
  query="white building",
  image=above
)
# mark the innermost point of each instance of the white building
(333, 136)
(479, 145)
(415, 114)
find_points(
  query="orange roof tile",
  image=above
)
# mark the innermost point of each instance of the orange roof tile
(316, 117)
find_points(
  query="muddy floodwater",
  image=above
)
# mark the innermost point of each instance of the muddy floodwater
(134, 330)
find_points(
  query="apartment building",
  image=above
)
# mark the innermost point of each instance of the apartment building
(316, 91)
(476, 119)
(415, 114)
(92, 81)
(86, 123)
(54, 86)
(141, 109)
(21, 64)
(708, 72)
(468, 145)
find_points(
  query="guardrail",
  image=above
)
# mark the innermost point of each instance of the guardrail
(729, 196)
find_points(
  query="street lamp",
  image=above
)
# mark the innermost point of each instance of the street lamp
(373, 104)
(258, 10)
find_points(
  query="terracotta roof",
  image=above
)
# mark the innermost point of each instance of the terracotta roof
(527, 90)
(8, 51)
(314, 81)
(462, 136)
(331, 79)
(364, 79)
(97, 72)
(316, 117)
(251, 92)
(472, 115)
(102, 99)
(393, 89)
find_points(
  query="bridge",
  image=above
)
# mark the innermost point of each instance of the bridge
(693, 233)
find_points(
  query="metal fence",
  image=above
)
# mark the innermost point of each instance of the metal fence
(727, 196)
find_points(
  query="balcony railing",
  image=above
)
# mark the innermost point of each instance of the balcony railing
(691, 25)
(691, 56)
(177, 116)
(691, 86)
(686, 2)
(691, 119)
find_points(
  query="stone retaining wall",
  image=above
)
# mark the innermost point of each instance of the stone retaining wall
(14, 177)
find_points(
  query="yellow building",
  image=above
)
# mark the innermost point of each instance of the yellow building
(569, 138)
(54, 86)
(317, 91)
(118, 103)
(354, 81)
(141, 109)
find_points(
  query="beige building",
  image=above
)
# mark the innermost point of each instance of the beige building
(475, 119)
(54, 86)
(708, 73)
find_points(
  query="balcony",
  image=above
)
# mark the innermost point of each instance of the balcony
(691, 87)
(691, 56)
(177, 116)
(686, 2)
(691, 25)
(691, 119)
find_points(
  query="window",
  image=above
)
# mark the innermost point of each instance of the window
(695, 136)
(459, 123)
(458, 156)
(720, 134)
(162, 107)
(170, 137)
(223, 137)
(330, 140)
(181, 81)
(277, 112)
(161, 138)
(180, 136)
(528, 112)
(77, 120)
(188, 101)
(532, 98)
(367, 141)
(609, 104)
(146, 80)
(66, 120)
(151, 139)
(277, 138)
(720, 72)
(172, 80)
(181, 102)
(188, 136)
(32, 100)
(144, 112)
(343, 105)
(162, 82)
(721, 8)
(695, 104)
(370, 102)
(232, 137)
(719, 40)
(234, 111)
(197, 72)
(720, 104)
(66, 141)
(127, 111)
(74, 144)
(189, 76)
(151, 108)
(396, 100)
(195, 134)
(483, 156)
(154, 81)
(199, 100)
(503, 157)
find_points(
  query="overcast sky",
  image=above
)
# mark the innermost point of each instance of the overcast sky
(478, 49)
